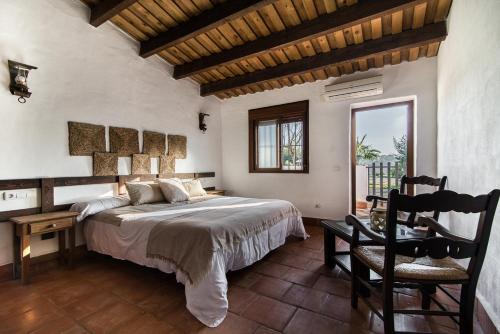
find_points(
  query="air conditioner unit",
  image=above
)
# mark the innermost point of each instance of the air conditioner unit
(354, 89)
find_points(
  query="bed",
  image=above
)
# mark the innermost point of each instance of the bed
(200, 241)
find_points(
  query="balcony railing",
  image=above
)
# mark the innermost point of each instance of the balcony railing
(384, 177)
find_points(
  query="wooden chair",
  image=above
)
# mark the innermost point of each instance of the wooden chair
(403, 189)
(399, 262)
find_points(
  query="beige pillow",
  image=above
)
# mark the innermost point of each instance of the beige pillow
(173, 190)
(194, 188)
(144, 192)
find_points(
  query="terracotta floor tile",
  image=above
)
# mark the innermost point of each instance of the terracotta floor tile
(29, 320)
(110, 317)
(16, 305)
(134, 291)
(340, 308)
(308, 322)
(292, 261)
(302, 277)
(296, 294)
(239, 299)
(65, 294)
(270, 269)
(271, 287)
(265, 330)
(244, 279)
(269, 312)
(335, 286)
(61, 325)
(182, 319)
(233, 324)
(145, 324)
(89, 304)
(164, 301)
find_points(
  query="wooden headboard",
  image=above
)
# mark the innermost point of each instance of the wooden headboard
(47, 185)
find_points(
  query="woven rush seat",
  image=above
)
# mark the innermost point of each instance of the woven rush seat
(423, 268)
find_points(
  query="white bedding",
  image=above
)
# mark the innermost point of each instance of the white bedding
(207, 301)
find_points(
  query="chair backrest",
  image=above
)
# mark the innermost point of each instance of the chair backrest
(422, 180)
(440, 247)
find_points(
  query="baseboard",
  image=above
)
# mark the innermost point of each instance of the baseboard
(41, 263)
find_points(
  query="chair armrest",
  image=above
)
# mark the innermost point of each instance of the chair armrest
(357, 224)
(370, 198)
(438, 228)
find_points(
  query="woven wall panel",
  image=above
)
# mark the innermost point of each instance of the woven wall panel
(177, 146)
(153, 143)
(123, 141)
(167, 164)
(105, 164)
(85, 138)
(141, 164)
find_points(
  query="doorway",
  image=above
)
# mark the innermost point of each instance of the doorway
(382, 151)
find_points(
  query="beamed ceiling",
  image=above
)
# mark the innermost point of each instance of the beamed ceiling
(238, 47)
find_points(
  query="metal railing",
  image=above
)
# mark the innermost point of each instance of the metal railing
(384, 177)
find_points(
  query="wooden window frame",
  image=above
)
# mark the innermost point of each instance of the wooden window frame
(281, 113)
(410, 134)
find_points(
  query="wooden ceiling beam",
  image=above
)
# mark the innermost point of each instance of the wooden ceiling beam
(411, 38)
(324, 24)
(105, 10)
(201, 23)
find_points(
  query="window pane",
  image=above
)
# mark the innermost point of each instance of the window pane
(266, 139)
(292, 145)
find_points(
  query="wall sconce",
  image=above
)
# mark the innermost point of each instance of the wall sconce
(201, 120)
(19, 80)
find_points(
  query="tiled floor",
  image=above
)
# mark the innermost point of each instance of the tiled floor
(290, 291)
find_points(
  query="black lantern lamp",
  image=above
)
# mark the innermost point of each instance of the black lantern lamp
(201, 121)
(19, 80)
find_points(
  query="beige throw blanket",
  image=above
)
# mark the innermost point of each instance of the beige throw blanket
(190, 238)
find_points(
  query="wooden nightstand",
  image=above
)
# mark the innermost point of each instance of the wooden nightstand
(26, 226)
(216, 192)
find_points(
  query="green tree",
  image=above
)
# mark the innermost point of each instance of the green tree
(400, 145)
(365, 152)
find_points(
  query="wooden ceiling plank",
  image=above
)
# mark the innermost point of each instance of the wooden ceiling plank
(105, 10)
(325, 24)
(419, 15)
(412, 38)
(199, 24)
(442, 10)
(397, 22)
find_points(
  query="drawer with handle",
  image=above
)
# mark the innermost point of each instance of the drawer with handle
(50, 225)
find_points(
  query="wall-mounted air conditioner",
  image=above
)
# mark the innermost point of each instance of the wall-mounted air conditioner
(353, 89)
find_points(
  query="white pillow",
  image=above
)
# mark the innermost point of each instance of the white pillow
(194, 188)
(173, 190)
(97, 205)
(144, 192)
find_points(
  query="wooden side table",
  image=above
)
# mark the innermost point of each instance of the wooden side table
(219, 192)
(27, 226)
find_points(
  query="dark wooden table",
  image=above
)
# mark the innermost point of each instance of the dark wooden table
(342, 230)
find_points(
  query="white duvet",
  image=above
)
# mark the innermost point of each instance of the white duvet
(207, 301)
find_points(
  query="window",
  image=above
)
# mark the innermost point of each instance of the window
(278, 138)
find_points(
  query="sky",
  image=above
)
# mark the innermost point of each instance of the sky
(380, 125)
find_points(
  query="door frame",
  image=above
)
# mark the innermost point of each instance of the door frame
(410, 134)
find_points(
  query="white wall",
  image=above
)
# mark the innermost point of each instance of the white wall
(327, 183)
(469, 122)
(87, 75)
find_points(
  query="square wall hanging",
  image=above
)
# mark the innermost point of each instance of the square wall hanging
(85, 138)
(141, 164)
(105, 164)
(123, 141)
(153, 143)
(177, 146)
(167, 164)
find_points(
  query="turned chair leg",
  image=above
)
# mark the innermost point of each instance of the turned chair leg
(467, 298)
(388, 308)
(426, 299)
(354, 282)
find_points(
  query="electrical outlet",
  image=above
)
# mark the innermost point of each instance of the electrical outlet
(12, 195)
